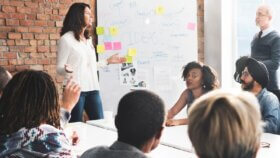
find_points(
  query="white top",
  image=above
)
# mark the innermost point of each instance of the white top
(82, 59)
(266, 31)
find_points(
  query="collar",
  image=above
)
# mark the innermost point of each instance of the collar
(267, 31)
(124, 146)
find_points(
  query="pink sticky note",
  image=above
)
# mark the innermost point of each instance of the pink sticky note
(117, 46)
(191, 26)
(108, 45)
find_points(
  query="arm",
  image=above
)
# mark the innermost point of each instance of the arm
(177, 122)
(274, 61)
(62, 56)
(114, 59)
(180, 104)
(270, 114)
(70, 97)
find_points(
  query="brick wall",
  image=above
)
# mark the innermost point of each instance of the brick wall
(29, 30)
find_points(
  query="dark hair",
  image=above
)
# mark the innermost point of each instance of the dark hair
(4, 78)
(28, 100)
(75, 20)
(140, 117)
(209, 76)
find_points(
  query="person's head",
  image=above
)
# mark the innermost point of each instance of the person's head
(254, 74)
(239, 67)
(29, 100)
(263, 16)
(140, 119)
(198, 75)
(77, 18)
(5, 77)
(225, 125)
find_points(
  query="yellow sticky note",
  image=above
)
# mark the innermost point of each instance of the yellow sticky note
(113, 31)
(100, 48)
(100, 30)
(160, 10)
(131, 52)
(129, 59)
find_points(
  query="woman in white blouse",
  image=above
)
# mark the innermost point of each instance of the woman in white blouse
(76, 54)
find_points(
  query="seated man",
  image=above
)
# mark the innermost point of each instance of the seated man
(139, 122)
(225, 125)
(254, 79)
(5, 77)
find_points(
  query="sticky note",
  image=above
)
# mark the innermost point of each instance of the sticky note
(117, 46)
(160, 10)
(129, 59)
(100, 30)
(113, 31)
(108, 45)
(131, 52)
(191, 26)
(100, 48)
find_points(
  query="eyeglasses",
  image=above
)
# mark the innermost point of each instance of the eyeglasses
(265, 145)
(245, 73)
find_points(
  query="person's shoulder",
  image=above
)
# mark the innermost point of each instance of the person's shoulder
(68, 37)
(270, 97)
(98, 151)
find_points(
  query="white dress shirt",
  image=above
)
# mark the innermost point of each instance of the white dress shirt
(80, 56)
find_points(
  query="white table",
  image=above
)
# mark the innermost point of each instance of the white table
(177, 138)
(92, 136)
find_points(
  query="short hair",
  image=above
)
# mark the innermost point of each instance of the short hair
(75, 20)
(29, 99)
(4, 78)
(268, 9)
(209, 75)
(140, 117)
(225, 124)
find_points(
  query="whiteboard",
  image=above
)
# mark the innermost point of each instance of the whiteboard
(164, 35)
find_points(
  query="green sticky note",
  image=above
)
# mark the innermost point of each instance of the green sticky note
(100, 48)
(129, 59)
(160, 10)
(131, 52)
(113, 31)
(100, 30)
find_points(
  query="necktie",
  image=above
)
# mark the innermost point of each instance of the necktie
(260, 34)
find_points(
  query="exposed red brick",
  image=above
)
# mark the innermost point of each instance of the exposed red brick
(3, 62)
(43, 61)
(22, 42)
(31, 16)
(43, 49)
(30, 61)
(31, 49)
(10, 42)
(3, 35)
(2, 22)
(16, 3)
(26, 22)
(21, 67)
(9, 55)
(24, 10)
(31, 4)
(14, 35)
(21, 29)
(54, 36)
(43, 17)
(12, 22)
(49, 30)
(33, 42)
(17, 16)
(35, 55)
(35, 29)
(59, 23)
(8, 9)
(27, 36)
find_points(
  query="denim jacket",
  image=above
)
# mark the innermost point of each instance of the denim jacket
(269, 105)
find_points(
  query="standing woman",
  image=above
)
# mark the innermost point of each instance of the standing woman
(76, 54)
(200, 79)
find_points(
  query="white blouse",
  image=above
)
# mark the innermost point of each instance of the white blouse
(80, 56)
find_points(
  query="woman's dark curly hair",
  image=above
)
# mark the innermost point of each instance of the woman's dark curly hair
(29, 100)
(75, 20)
(209, 75)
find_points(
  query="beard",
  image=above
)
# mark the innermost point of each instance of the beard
(247, 87)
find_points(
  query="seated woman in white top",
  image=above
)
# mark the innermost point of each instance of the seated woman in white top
(200, 79)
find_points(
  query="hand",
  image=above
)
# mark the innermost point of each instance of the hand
(170, 123)
(71, 95)
(115, 59)
(75, 138)
(68, 68)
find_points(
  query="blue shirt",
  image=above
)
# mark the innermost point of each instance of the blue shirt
(269, 105)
